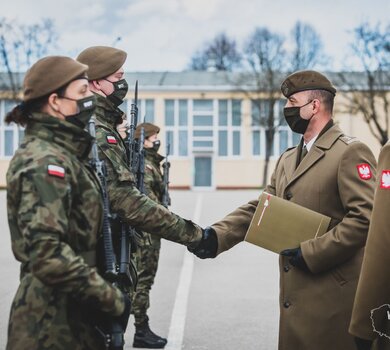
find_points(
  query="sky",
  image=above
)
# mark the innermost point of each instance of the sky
(162, 35)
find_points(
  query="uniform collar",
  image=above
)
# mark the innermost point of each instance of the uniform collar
(153, 156)
(328, 136)
(61, 132)
(107, 112)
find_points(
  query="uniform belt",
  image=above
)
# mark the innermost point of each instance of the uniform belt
(89, 257)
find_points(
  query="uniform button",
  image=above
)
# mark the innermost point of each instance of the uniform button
(286, 268)
(288, 195)
(286, 304)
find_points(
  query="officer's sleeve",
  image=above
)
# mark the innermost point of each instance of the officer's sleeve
(232, 229)
(346, 238)
(43, 214)
(374, 289)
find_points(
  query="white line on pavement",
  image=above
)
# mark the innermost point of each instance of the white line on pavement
(179, 313)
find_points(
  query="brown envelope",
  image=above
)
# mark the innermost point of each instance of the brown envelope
(279, 224)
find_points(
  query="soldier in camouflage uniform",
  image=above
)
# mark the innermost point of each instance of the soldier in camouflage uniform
(149, 247)
(132, 207)
(105, 76)
(55, 216)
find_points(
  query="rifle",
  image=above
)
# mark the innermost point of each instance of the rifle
(166, 199)
(114, 336)
(132, 143)
(141, 162)
(128, 233)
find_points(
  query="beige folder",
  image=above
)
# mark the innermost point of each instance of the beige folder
(279, 224)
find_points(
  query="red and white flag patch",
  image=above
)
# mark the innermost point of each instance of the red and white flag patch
(385, 179)
(55, 170)
(364, 171)
(111, 139)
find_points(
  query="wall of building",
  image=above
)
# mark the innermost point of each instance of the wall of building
(243, 170)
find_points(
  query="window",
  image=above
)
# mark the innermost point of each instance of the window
(229, 128)
(10, 135)
(204, 125)
(176, 127)
(145, 110)
(283, 137)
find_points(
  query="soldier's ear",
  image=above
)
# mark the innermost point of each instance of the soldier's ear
(52, 101)
(96, 84)
(316, 105)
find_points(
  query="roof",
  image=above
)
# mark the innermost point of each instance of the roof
(213, 80)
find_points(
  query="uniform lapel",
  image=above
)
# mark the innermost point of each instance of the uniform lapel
(318, 150)
(290, 163)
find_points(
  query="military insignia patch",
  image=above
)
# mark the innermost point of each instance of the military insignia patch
(111, 139)
(285, 89)
(385, 179)
(364, 171)
(55, 170)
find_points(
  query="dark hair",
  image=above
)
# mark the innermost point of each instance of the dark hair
(20, 113)
(326, 97)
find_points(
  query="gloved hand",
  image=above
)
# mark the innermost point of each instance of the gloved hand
(208, 246)
(363, 344)
(296, 258)
(124, 318)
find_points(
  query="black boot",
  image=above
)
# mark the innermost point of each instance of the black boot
(145, 338)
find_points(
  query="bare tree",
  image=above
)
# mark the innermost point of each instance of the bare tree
(264, 55)
(370, 96)
(22, 45)
(220, 54)
(307, 51)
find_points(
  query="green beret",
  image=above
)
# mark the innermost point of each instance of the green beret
(102, 61)
(306, 80)
(149, 128)
(49, 74)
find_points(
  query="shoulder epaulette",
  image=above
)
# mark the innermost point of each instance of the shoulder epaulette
(348, 139)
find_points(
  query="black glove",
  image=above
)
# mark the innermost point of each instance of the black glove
(363, 344)
(124, 318)
(296, 258)
(208, 246)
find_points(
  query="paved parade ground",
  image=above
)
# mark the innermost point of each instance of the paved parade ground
(230, 303)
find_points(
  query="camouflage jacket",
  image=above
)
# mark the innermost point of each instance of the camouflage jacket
(54, 215)
(126, 201)
(153, 178)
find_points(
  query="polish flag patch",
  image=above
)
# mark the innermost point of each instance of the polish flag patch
(364, 171)
(112, 140)
(385, 179)
(55, 170)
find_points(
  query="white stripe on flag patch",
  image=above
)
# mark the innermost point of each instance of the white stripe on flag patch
(111, 139)
(56, 170)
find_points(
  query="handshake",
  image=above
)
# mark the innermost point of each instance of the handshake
(208, 246)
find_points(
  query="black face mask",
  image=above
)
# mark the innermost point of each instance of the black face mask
(156, 145)
(86, 107)
(119, 93)
(294, 119)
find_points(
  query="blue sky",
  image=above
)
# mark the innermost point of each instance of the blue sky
(162, 34)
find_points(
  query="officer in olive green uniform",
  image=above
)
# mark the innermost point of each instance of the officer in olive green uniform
(372, 302)
(55, 216)
(336, 178)
(149, 247)
(106, 81)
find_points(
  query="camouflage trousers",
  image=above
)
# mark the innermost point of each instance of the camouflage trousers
(147, 256)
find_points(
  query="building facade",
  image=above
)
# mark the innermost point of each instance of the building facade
(215, 129)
